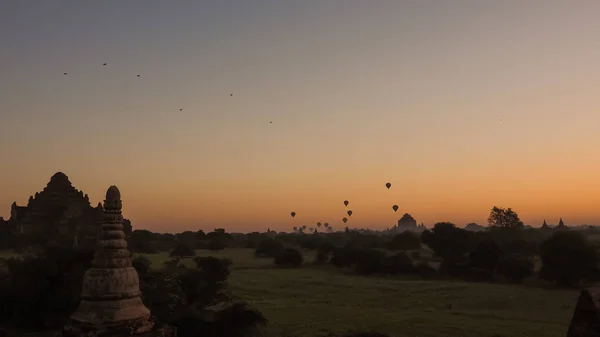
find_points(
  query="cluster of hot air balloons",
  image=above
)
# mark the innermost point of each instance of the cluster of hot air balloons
(312, 229)
(349, 212)
(388, 185)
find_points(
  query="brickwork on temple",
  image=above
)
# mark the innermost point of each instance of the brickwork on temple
(110, 298)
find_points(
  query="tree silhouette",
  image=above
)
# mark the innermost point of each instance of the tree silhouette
(504, 218)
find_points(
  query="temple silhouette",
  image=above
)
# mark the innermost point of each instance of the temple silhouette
(60, 212)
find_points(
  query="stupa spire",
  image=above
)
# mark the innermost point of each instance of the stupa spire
(110, 298)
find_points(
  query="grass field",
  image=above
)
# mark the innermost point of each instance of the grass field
(312, 301)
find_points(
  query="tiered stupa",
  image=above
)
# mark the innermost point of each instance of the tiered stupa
(110, 298)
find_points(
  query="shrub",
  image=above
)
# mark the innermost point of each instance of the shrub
(515, 267)
(399, 263)
(142, 264)
(216, 244)
(324, 252)
(289, 257)
(426, 271)
(269, 248)
(406, 240)
(41, 292)
(137, 245)
(567, 258)
(182, 250)
(485, 256)
(369, 261)
(214, 268)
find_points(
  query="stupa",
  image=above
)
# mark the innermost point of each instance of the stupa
(110, 298)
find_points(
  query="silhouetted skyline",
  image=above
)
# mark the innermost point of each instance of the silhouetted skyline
(245, 111)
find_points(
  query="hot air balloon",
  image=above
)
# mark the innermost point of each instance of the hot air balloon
(346, 202)
(318, 224)
(345, 220)
(388, 185)
(326, 225)
(395, 208)
(295, 228)
(293, 214)
(349, 213)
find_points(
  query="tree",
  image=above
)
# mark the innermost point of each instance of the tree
(142, 264)
(182, 250)
(515, 267)
(324, 252)
(406, 240)
(485, 256)
(289, 257)
(448, 242)
(268, 248)
(216, 244)
(504, 218)
(567, 258)
(399, 263)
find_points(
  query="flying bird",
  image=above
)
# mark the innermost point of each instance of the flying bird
(180, 109)
(64, 73)
(138, 75)
(230, 94)
(104, 64)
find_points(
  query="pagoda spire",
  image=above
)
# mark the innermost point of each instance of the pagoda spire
(110, 297)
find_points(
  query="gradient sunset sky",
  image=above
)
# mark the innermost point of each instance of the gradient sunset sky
(461, 105)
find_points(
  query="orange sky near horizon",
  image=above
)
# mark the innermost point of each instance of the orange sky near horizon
(461, 106)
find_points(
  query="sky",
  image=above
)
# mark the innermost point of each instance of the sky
(462, 105)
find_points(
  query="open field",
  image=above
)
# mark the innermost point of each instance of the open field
(312, 301)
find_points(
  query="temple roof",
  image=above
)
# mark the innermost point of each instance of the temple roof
(59, 176)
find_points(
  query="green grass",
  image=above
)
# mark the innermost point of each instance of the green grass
(312, 301)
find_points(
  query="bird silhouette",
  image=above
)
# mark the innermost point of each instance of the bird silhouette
(64, 73)
(104, 64)
(138, 75)
(270, 122)
(180, 109)
(230, 94)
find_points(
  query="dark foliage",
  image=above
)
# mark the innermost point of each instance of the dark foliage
(449, 242)
(142, 265)
(515, 267)
(289, 257)
(399, 263)
(568, 258)
(343, 257)
(426, 271)
(269, 248)
(324, 252)
(415, 255)
(369, 261)
(182, 250)
(406, 240)
(216, 244)
(485, 256)
(215, 269)
(504, 218)
(41, 292)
